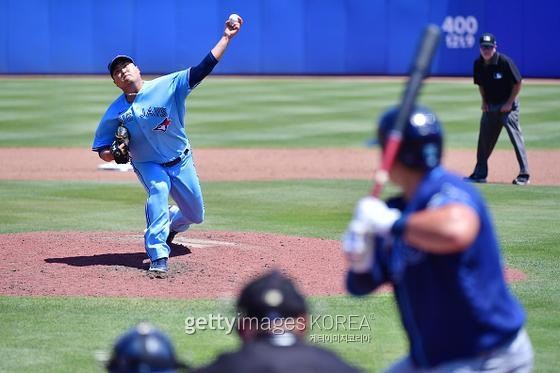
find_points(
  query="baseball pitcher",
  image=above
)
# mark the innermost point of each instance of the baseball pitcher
(146, 126)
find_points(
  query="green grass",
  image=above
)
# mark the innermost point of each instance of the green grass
(59, 334)
(263, 112)
(275, 206)
(68, 330)
(62, 333)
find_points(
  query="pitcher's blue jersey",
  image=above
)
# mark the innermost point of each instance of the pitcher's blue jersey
(155, 120)
(452, 306)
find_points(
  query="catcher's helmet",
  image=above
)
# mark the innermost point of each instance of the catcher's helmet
(143, 349)
(422, 137)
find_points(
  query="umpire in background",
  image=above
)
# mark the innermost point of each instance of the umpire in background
(499, 83)
(272, 319)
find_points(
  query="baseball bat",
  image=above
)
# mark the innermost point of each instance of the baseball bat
(421, 65)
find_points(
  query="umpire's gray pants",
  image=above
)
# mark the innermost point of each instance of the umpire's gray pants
(491, 124)
(514, 357)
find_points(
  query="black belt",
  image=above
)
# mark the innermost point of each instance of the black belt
(175, 161)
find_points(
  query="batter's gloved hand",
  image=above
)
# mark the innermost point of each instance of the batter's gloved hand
(376, 216)
(120, 152)
(358, 246)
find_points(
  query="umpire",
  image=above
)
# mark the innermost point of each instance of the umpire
(499, 83)
(271, 324)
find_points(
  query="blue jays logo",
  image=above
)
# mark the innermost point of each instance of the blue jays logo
(163, 125)
(497, 75)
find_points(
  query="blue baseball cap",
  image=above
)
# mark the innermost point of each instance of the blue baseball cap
(117, 59)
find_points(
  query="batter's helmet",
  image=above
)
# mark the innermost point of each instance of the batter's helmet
(144, 349)
(422, 137)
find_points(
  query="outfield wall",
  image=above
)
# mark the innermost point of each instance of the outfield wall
(279, 36)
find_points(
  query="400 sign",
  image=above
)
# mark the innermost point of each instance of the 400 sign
(460, 31)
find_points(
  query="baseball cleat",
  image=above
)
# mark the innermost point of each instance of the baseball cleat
(159, 265)
(521, 180)
(475, 179)
(170, 237)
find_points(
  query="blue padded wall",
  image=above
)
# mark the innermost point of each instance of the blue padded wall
(279, 37)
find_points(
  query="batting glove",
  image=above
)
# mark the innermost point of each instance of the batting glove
(376, 216)
(357, 246)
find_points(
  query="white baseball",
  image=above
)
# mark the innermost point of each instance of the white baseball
(233, 19)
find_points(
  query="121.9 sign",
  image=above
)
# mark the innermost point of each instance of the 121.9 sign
(460, 31)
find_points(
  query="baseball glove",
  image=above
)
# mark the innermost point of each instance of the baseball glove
(121, 137)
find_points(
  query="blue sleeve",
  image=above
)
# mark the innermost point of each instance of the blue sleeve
(182, 88)
(202, 70)
(450, 193)
(365, 283)
(105, 133)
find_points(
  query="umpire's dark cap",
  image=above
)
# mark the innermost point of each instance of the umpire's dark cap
(116, 60)
(487, 39)
(271, 295)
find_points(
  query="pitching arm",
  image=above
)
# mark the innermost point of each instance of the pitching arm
(205, 67)
(201, 71)
(229, 33)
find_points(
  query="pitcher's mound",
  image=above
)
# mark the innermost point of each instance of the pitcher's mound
(202, 265)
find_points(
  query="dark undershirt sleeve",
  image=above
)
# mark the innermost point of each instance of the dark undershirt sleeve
(359, 283)
(365, 283)
(201, 70)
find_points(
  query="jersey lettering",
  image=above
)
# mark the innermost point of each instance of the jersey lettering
(158, 112)
(126, 117)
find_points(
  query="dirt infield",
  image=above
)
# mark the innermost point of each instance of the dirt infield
(202, 264)
(265, 164)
